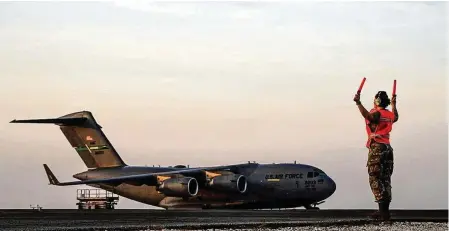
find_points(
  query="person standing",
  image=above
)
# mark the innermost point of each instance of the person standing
(379, 123)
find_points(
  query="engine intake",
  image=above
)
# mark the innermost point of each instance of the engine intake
(179, 187)
(231, 182)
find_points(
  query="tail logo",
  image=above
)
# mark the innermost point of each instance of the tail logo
(92, 141)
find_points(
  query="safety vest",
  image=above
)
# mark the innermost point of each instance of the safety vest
(382, 131)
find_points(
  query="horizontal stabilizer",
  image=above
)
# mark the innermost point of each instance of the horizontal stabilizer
(58, 121)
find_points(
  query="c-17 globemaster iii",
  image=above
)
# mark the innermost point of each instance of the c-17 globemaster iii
(239, 186)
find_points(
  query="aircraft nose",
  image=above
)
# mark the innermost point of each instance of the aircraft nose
(332, 185)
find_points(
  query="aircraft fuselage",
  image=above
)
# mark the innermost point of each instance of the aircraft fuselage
(268, 186)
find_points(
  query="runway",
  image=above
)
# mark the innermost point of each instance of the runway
(121, 219)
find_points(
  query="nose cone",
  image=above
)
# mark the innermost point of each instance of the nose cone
(332, 186)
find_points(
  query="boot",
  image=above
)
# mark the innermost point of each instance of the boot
(384, 208)
(376, 215)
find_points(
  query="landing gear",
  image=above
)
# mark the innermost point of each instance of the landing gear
(313, 206)
(310, 207)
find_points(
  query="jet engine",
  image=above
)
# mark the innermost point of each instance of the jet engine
(231, 182)
(179, 187)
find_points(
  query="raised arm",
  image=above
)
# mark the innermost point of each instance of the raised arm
(372, 117)
(394, 109)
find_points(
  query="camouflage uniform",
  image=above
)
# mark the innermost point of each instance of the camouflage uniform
(380, 168)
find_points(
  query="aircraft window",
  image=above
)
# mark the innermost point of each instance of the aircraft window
(315, 174)
(310, 175)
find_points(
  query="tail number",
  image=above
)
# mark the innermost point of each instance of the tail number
(310, 185)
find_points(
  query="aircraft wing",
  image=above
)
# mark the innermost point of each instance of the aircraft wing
(121, 179)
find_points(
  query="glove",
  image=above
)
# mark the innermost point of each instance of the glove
(393, 101)
(357, 99)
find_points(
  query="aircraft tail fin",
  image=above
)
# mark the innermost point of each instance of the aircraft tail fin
(86, 137)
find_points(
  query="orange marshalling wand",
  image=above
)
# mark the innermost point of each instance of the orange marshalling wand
(394, 88)
(361, 85)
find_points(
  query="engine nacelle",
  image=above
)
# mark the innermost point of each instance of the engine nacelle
(231, 182)
(179, 187)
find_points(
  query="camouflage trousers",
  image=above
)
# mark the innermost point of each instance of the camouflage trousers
(380, 168)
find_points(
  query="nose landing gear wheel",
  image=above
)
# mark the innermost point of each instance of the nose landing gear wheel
(313, 206)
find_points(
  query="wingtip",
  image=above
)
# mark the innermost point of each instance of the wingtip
(13, 121)
(51, 177)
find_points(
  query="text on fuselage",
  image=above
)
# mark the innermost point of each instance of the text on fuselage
(284, 176)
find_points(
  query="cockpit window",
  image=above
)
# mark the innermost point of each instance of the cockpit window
(310, 175)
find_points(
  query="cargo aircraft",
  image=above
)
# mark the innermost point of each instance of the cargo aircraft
(238, 186)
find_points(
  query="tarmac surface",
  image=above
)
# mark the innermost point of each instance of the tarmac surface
(122, 219)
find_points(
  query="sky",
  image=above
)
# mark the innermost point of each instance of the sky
(211, 83)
